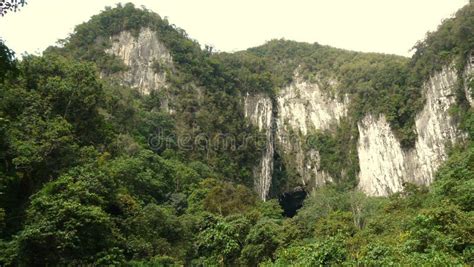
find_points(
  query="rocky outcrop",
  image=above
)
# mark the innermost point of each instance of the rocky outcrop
(435, 127)
(468, 79)
(300, 108)
(259, 110)
(384, 166)
(140, 53)
(381, 159)
(304, 107)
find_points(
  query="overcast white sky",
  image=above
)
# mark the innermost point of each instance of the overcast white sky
(387, 26)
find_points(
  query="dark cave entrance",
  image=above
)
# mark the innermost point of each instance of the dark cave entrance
(292, 201)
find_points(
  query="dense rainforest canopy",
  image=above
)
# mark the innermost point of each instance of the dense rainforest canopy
(80, 183)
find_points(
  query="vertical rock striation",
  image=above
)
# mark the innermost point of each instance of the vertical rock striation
(384, 166)
(140, 54)
(300, 108)
(435, 127)
(468, 79)
(259, 109)
(381, 158)
(304, 107)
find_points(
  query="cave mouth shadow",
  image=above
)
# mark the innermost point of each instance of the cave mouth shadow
(292, 201)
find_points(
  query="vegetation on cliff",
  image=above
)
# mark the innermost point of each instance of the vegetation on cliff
(81, 185)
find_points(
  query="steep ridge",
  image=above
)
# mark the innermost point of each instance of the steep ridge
(259, 109)
(468, 79)
(131, 145)
(397, 128)
(302, 107)
(305, 106)
(140, 54)
(385, 166)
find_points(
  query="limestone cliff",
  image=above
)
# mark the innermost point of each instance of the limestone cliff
(303, 107)
(259, 109)
(468, 73)
(381, 159)
(140, 53)
(384, 166)
(300, 107)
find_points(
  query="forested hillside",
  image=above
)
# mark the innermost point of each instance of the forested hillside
(83, 180)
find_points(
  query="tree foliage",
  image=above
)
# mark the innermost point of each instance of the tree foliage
(11, 5)
(79, 184)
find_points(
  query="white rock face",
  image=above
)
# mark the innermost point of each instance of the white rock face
(384, 166)
(303, 106)
(467, 79)
(139, 54)
(259, 109)
(434, 126)
(381, 159)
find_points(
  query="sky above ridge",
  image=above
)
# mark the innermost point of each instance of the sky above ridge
(385, 26)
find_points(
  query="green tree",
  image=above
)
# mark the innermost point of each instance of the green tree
(328, 252)
(7, 62)
(11, 5)
(220, 241)
(261, 242)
